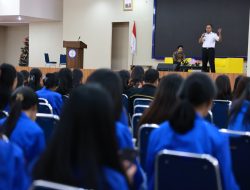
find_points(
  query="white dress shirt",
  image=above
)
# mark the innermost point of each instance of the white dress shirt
(210, 39)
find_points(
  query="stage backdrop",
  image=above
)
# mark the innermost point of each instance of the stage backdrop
(183, 21)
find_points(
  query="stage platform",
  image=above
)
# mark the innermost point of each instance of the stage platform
(87, 72)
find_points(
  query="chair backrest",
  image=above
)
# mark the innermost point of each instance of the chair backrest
(3, 114)
(46, 56)
(45, 108)
(47, 185)
(144, 134)
(140, 108)
(125, 101)
(135, 120)
(209, 117)
(181, 170)
(43, 100)
(142, 101)
(48, 123)
(62, 59)
(220, 112)
(240, 152)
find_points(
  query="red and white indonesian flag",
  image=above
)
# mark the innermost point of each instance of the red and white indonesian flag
(133, 40)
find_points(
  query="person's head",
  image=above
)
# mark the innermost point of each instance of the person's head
(77, 77)
(26, 76)
(237, 105)
(151, 76)
(236, 82)
(23, 99)
(65, 81)
(209, 28)
(164, 101)
(84, 141)
(8, 82)
(195, 96)
(35, 79)
(112, 83)
(243, 82)
(125, 76)
(137, 76)
(51, 81)
(20, 80)
(223, 87)
(180, 48)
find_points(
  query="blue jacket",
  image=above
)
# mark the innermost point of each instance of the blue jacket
(237, 123)
(204, 138)
(115, 180)
(54, 99)
(124, 139)
(29, 137)
(13, 175)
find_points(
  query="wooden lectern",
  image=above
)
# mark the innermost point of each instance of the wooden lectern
(74, 54)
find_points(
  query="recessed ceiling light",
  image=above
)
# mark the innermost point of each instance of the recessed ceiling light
(19, 18)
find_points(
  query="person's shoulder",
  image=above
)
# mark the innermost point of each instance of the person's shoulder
(115, 179)
(11, 150)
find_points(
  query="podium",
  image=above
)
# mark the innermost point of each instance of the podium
(75, 50)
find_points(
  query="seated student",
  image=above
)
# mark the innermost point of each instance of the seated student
(187, 131)
(148, 89)
(12, 169)
(179, 56)
(65, 84)
(164, 102)
(77, 76)
(8, 82)
(241, 86)
(35, 79)
(48, 93)
(20, 126)
(240, 112)
(223, 88)
(84, 152)
(125, 77)
(20, 80)
(26, 76)
(111, 81)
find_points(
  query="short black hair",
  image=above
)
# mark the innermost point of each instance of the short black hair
(151, 76)
(180, 46)
(51, 80)
(209, 25)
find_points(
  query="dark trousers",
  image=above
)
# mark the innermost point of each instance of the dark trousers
(208, 54)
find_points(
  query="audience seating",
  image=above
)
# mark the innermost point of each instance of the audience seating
(3, 114)
(46, 185)
(142, 101)
(48, 123)
(45, 108)
(48, 62)
(240, 151)
(125, 101)
(140, 108)
(176, 170)
(135, 120)
(220, 112)
(144, 134)
(209, 117)
(43, 100)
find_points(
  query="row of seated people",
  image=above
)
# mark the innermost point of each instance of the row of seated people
(91, 137)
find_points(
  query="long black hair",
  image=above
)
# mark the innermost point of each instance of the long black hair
(164, 101)
(84, 141)
(125, 77)
(65, 81)
(8, 76)
(237, 104)
(137, 76)
(77, 77)
(112, 83)
(35, 79)
(223, 85)
(22, 99)
(241, 86)
(197, 89)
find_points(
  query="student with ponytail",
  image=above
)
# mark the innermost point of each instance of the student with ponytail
(48, 93)
(20, 127)
(188, 131)
(35, 79)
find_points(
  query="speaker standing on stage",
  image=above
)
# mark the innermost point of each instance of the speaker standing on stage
(208, 41)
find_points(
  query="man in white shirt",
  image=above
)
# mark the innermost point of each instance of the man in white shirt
(208, 41)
